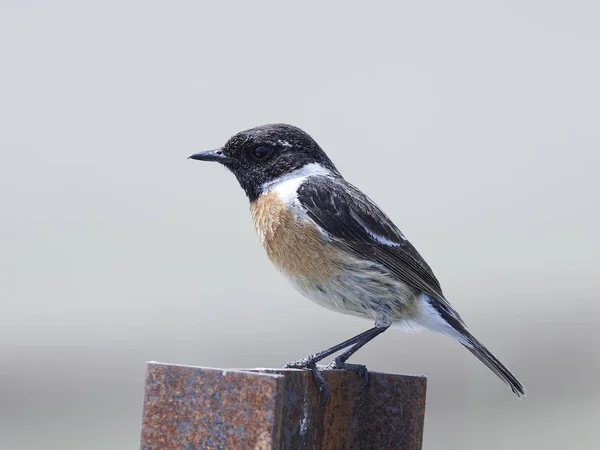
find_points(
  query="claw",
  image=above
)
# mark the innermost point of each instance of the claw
(303, 363)
(360, 369)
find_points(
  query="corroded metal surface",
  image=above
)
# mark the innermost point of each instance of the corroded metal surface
(193, 407)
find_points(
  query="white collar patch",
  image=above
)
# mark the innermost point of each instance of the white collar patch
(287, 184)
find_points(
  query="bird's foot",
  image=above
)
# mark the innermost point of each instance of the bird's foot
(360, 369)
(303, 363)
(311, 364)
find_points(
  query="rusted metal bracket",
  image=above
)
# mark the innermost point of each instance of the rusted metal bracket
(188, 407)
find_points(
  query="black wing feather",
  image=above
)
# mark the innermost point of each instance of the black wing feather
(357, 223)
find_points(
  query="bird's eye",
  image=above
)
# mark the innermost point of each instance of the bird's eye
(261, 152)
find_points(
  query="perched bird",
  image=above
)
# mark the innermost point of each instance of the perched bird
(337, 247)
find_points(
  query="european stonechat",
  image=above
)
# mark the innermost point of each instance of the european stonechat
(337, 247)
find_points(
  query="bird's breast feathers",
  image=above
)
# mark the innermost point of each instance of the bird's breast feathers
(292, 241)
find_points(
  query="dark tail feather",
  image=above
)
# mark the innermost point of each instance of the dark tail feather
(460, 332)
(486, 357)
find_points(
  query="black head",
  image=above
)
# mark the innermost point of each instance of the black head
(263, 154)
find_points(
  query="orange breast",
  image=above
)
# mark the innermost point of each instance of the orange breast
(292, 244)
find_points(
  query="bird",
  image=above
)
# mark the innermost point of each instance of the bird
(337, 247)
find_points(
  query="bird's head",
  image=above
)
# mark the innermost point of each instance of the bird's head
(261, 155)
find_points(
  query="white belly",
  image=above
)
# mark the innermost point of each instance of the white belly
(361, 291)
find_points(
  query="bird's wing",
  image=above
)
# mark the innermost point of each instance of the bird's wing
(355, 222)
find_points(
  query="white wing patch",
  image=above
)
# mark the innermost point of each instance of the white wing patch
(381, 239)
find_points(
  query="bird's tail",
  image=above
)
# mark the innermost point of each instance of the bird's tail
(485, 356)
(452, 325)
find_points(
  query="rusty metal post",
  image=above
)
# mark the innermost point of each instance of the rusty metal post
(188, 407)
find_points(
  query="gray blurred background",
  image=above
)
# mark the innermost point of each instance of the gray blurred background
(475, 125)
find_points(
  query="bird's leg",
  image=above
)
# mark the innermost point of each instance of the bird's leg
(310, 362)
(340, 361)
(315, 358)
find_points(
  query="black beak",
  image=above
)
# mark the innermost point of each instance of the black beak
(212, 155)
